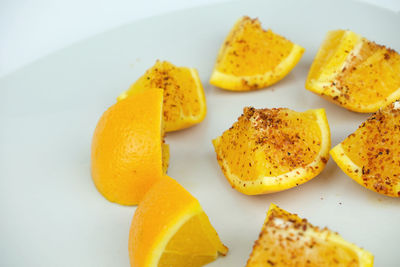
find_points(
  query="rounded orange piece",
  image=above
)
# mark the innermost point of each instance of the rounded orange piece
(169, 228)
(127, 148)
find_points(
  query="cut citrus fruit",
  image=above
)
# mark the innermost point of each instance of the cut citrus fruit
(371, 154)
(127, 148)
(269, 150)
(288, 240)
(184, 99)
(355, 73)
(169, 228)
(252, 58)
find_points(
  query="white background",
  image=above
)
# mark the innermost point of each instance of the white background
(31, 29)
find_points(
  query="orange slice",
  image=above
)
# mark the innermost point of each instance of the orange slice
(288, 240)
(355, 73)
(253, 58)
(184, 99)
(371, 155)
(270, 150)
(127, 148)
(170, 228)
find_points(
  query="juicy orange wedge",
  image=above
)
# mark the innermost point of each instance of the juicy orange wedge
(270, 150)
(184, 100)
(169, 228)
(252, 58)
(288, 240)
(355, 73)
(371, 155)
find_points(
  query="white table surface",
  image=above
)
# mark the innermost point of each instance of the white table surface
(31, 29)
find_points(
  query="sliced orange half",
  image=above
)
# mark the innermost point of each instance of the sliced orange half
(252, 58)
(288, 240)
(371, 155)
(128, 153)
(169, 228)
(355, 73)
(270, 150)
(184, 99)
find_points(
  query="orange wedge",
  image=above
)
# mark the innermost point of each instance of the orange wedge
(355, 73)
(270, 150)
(371, 155)
(288, 240)
(170, 228)
(252, 58)
(184, 100)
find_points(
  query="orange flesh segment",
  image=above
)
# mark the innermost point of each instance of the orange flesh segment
(169, 228)
(374, 147)
(183, 98)
(271, 142)
(253, 58)
(372, 75)
(256, 49)
(329, 55)
(189, 247)
(288, 240)
(355, 73)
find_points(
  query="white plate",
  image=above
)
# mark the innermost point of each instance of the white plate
(51, 213)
